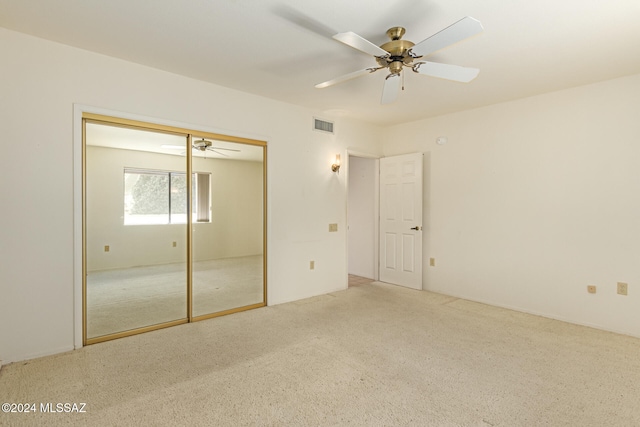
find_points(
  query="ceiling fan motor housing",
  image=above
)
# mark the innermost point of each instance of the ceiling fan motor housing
(398, 51)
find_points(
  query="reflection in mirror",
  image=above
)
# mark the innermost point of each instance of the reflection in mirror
(228, 261)
(136, 214)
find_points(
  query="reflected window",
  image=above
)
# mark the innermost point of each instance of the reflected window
(160, 197)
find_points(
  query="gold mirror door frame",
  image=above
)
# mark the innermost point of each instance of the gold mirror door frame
(209, 179)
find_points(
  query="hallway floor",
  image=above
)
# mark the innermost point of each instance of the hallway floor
(358, 280)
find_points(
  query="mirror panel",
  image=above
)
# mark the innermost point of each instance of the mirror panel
(135, 229)
(228, 242)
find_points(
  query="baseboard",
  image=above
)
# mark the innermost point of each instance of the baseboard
(542, 314)
(37, 355)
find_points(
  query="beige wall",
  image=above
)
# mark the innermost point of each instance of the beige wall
(236, 228)
(531, 201)
(42, 81)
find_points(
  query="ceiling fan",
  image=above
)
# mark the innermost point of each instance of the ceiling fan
(203, 145)
(397, 54)
(206, 145)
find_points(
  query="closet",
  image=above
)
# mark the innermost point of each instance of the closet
(173, 226)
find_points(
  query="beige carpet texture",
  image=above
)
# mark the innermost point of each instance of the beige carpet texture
(372, 355)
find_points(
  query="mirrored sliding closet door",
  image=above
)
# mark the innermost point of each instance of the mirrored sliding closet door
(173, 226)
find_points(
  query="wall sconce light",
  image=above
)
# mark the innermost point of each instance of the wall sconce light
(335, 167)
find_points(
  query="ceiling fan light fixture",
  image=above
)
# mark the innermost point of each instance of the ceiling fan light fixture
(395, 67)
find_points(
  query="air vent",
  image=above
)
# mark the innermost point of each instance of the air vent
(322, 125)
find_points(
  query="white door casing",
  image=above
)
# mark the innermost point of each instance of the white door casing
(401, 220)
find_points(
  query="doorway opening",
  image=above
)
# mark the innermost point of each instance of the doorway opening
(384, 219)
(362, 219)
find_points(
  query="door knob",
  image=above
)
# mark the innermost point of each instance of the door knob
(417, 228)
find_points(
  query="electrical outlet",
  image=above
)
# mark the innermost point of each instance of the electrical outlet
(312, 265)
(175, 244)
(106, 248)
(333, 227)
(432, 262)
(622, 288)
(591, 289)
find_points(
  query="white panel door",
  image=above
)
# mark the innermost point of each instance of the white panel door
(401, 220)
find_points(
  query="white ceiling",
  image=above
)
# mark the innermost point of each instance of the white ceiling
(281, 48)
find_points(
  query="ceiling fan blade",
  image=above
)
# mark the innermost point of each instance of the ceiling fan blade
(363, 45)
(464, 28)
(391, 88)
(218, 152)
(446, 71)
(345, 77)
(225, 149)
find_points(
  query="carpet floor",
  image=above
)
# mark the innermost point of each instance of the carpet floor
(371, 355)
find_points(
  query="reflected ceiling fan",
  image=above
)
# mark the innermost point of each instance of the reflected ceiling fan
(397, 54)
(203, 145)
(206, 145)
